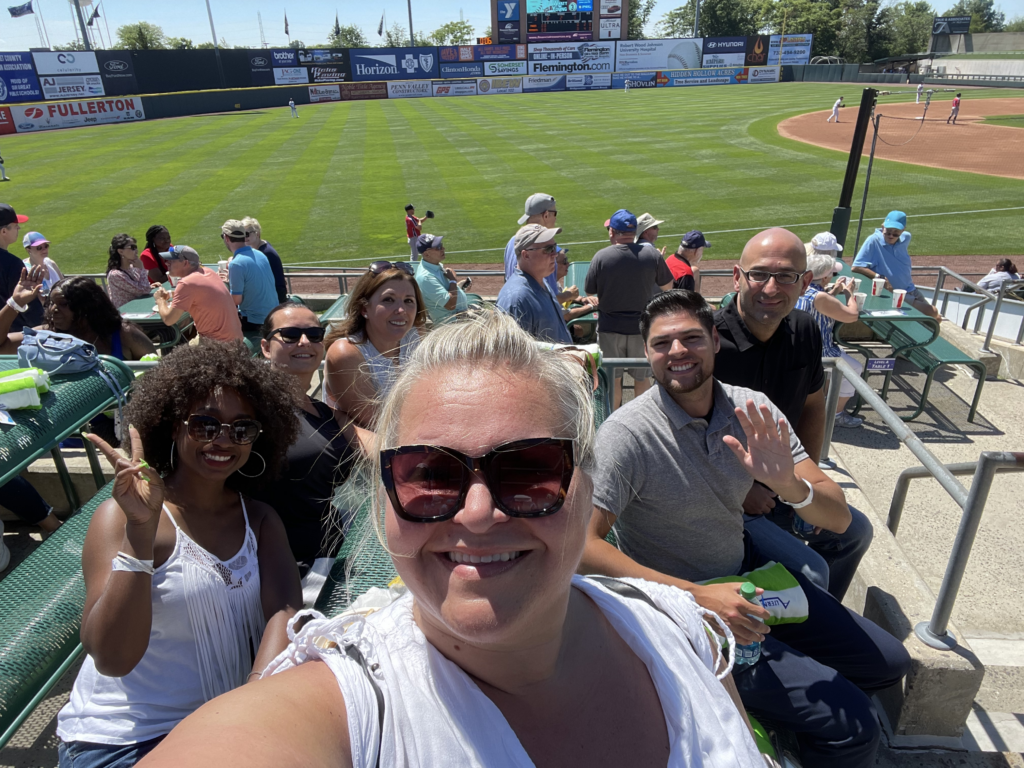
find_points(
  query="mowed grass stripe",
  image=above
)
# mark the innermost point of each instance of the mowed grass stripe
(333, 184)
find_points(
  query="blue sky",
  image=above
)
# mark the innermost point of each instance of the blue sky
(308, 20)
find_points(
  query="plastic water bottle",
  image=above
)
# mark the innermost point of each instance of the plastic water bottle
(801, 527)
(748, 655)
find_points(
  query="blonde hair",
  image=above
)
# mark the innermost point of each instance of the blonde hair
(488, 341)
(251, 224)
(820, 263)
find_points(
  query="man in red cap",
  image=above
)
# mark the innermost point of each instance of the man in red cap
(10, 271)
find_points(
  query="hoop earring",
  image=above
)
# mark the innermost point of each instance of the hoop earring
(264, 469)
(172, 455)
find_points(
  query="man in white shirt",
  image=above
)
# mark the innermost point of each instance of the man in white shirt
(835, 110)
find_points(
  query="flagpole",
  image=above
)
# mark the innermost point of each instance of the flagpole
(110, 40)
(39, 13)
(216, 47)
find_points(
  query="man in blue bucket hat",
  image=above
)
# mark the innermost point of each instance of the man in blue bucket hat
(886, 254)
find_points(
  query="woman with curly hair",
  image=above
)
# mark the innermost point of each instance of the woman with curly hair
(189, 584)
(383, 321)
(127, 279)
(80, 307)
(158, 240)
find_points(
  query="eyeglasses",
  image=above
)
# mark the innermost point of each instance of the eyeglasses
(892, 232)
(132, 247)
(206, 429)
(290, 335)
(43, 247)
(547, 250)
(382, 266)
(526, 478)
(763, 276)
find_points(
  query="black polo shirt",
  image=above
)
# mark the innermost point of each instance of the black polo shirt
(787, 368)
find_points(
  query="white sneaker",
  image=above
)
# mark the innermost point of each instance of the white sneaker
(843, 419)
(5, 553)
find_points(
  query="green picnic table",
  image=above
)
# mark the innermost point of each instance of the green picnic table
(143, 313)
(335, 312)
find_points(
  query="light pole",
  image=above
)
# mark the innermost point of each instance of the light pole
(81, 23)
(412, 37)
(696, 18)
(216, 47)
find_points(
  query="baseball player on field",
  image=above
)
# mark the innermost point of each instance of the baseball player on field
(920, 89)
(955, 111)
(835, 110)
(291, 103)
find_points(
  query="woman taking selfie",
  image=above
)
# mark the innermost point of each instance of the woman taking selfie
(498, 655)
(189, 585)
(383, 320)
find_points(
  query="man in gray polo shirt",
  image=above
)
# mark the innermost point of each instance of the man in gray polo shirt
(673, 468)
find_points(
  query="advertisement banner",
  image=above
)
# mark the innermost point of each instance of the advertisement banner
(6, 121)
(951, 25)
(763, 75)
(643, 55)
(66, 63)
(72, 86)
(508, 10)
(571, 58)
(319, 93)
(18, 80)
(635, 80)
(70, 114)
(283, 57)
(487, 86)
(796, 49)
(322, 56)
(588, 82)
(454, 87)
(118, 73)
(290, 75)
(757, 50)
(499, 53)
(723, 60)
(687, 77)
(508, 32)
(610, 8)
(393, 63)
(362, 91)
(559, 20)
(503, 68)
(546, 83)
(462, 69)
(416, 89)
(725, 45)
(611, 29)
(327, 73)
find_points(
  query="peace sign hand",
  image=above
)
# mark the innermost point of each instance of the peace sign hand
(767, 457)
(138, 489)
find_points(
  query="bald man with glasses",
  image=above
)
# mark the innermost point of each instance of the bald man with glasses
(770, 346)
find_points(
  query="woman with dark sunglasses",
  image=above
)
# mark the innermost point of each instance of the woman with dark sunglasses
(320, 458)
(127, 279)
(498, 655)
(189, 585)
(383, 320)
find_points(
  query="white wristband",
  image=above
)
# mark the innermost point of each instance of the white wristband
(16, 306)
(124, 562)
(805, 502)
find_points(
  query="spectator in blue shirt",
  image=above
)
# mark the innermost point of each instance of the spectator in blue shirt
(441, 293)
(525, 296)
(540, 209)
(249, 277)
(886, 254)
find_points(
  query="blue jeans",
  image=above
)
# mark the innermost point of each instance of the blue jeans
(815, 678)
(839, 553)
(85, 754)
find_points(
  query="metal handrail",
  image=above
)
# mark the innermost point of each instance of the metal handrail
(940, 281)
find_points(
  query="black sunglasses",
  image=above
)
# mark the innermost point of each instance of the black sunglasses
(291, 335)
(382, 266)
(206, 429)
(526, 478)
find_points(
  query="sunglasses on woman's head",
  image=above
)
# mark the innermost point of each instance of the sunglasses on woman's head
(382, 266)
(206, 429)
(526, 478)
(290, 335)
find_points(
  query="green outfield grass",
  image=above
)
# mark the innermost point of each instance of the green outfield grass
(1010, 121)
(332, 184)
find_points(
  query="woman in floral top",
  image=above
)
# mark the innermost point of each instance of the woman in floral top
(126, 278)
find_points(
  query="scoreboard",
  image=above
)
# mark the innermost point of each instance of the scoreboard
(559, 20)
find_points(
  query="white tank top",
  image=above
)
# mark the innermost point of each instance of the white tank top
(207, 625)
(435, 714)
(382, 370)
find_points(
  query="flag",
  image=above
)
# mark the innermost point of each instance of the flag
(21, 10)
(95, 15)
(286, 23)
(380, 27)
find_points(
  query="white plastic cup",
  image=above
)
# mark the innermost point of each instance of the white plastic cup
(877, 286)
(222, 265)
(861, 298)
(898, 296)
(173, 280)
(856, 283)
